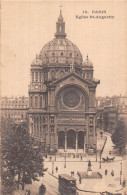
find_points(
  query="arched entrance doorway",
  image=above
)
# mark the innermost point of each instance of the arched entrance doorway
(80, 140)
(61, 140)
(71, 139)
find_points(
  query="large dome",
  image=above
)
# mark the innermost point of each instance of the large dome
(61, 51)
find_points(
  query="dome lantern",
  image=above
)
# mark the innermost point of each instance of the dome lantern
(60, 27)
(88, 62)
(87, 69)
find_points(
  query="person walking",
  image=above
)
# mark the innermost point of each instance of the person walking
(56, 169)
(50, 158)
(106, 171)
(112, 173)
(80, 180)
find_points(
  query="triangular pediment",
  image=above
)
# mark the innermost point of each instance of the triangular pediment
(73, 77)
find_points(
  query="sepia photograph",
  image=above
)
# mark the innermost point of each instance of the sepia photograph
(63, 97)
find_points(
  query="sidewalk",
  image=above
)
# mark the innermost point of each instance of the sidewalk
(107, 183)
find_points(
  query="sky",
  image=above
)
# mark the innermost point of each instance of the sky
(27, 26)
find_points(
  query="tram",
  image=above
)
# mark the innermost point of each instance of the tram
(67, 185)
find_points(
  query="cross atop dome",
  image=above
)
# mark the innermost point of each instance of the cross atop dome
(60, 26)
(60, 16)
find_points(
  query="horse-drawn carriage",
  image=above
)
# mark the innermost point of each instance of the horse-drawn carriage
(107, 159)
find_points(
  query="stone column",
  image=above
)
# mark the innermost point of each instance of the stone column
(56, 133)
(84, 141)
(34, 126)
(39, 128)
(65, 147)
(76, 141)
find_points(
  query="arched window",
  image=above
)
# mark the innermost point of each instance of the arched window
(40, 77)
(61, 73)
(36, 102)
(22, 116)
(31, 101)
(87, 75)
(35, 126)
(36, 76)
(44, 119)
(61, 54)
(52, 129)
(32, 76)
(41, 102)
(53, 74)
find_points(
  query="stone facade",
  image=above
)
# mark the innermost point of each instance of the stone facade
(109, 111)
(62, 112)
(15, 108)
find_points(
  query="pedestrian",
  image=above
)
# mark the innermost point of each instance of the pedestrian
(50, 158)
(56, 169)
(112, 173)
(124, 183)
(81, 157)
(106, 172)
(27, 192)
(80, 180)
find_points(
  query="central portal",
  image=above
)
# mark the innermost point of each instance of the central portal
(71, 139)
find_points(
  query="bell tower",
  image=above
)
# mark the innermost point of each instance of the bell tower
(60, 27)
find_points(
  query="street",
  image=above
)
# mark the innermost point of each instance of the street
(107, 183)
(49, 181)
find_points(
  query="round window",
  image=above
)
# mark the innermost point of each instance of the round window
(71, 98)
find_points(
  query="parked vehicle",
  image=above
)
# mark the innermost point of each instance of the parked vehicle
(67, 185)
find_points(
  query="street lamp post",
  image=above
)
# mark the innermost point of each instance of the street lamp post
(121, 174)
(120, 177)
(100, 159)
(96, 155)
(52, 167)
(65, 161)
(121, 168)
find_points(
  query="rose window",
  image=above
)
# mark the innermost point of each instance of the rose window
(71, 98)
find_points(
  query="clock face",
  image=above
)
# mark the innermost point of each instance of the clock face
(71, 98)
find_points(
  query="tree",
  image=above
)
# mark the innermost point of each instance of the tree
(119, 137)
(22, 160)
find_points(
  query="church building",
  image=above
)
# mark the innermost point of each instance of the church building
(62, 113)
